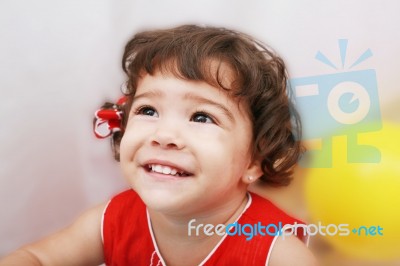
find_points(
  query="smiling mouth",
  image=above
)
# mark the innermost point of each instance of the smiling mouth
(166, 170)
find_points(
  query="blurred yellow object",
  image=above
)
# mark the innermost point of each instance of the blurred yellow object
(366, 196)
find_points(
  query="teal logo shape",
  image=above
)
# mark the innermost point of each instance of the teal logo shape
(342, 103)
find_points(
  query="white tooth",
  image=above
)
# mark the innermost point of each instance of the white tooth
(166, 170)
(158, 168)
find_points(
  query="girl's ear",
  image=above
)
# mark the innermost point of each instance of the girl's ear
(253, 173)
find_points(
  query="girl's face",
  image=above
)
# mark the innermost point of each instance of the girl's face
(186, 148)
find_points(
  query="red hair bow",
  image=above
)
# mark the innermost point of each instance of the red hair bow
(108, 119)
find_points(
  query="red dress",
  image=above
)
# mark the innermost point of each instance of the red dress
(128, 238)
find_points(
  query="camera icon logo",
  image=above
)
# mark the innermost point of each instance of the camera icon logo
(347, 101)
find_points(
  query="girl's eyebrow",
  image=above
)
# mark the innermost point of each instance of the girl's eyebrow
(202, 100)
(149, 94)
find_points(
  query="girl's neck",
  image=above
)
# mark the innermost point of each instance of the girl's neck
(176, 243)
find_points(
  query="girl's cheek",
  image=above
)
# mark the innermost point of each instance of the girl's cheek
(205, 130)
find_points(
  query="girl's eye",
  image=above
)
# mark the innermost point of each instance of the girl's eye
(147, 110)
(202, 118)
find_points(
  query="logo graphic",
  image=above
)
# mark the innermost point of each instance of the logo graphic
(346, 100)
(280, 229)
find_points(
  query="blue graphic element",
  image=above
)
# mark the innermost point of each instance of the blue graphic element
(343, 50)
(367, 54)
(321, 57)
(347, 101)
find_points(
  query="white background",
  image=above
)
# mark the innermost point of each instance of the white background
(60, 60)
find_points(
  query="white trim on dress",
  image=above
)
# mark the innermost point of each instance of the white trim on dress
(304, 239)
(102, 222)
(212, 251)
(223, 238)
(154, 240)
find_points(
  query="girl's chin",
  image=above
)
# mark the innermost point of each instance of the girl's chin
(165, 201)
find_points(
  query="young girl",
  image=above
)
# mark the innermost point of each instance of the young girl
(205, 114)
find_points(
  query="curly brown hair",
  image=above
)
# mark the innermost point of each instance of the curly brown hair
(260, 81)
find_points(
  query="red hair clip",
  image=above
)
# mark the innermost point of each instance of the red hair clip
(108, 119)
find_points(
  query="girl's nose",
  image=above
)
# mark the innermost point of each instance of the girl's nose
(167, 137)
